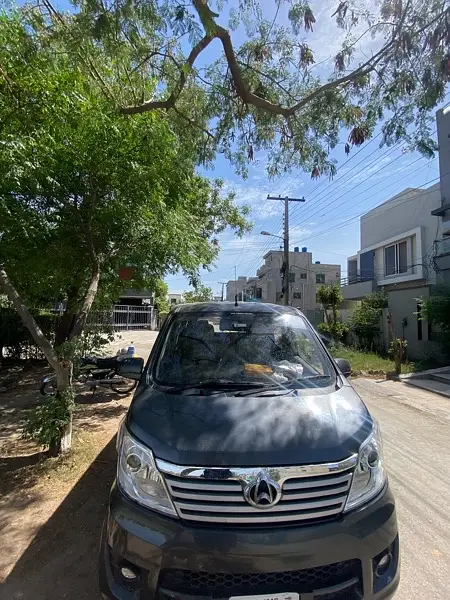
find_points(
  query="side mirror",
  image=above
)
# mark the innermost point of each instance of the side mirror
(131, 368)
(344, 366)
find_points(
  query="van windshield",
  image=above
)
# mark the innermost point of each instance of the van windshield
(242, 348)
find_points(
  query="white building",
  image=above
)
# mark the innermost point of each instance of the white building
(175, 298)
(242, 288)
(397, 241)
(305, 277)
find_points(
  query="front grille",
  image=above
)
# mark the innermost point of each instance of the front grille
(343, 575)
(306, 499)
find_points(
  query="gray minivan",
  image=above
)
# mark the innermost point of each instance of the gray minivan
(248, 468)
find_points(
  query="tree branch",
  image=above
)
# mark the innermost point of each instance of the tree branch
(171, 100)
(194, 123)
(213, 30)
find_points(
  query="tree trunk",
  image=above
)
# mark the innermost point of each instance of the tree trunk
(81, 318)
(68, 318)
(333, 308)
(63, 369)
(28, 320)
(63, 385)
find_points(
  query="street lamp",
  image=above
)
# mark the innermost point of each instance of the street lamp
(272, 234)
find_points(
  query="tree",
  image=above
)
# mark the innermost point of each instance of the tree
(85, 190)
(268, 92)
(200, 293)
(364, 319)
(330, 297)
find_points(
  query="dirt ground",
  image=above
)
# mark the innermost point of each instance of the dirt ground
(51, 510)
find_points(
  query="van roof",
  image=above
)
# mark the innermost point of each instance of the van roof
(242, 307)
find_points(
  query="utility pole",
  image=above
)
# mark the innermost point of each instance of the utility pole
(285, 268)
(223, 284)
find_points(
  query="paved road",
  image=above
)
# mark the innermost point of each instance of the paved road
(416, 433)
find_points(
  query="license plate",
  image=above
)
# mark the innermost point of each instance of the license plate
(283, 596)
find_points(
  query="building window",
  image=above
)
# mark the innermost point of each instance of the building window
(395, 259)
(173, 301)
(291, 277)
(320, 277)
(303, 276)
(297, 295)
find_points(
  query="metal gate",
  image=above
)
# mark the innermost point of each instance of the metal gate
(125, 317)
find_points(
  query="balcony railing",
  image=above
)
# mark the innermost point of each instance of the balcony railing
(442, 246)
(357, 278)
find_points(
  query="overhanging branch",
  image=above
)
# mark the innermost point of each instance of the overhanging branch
(171, 100)
(215, 31)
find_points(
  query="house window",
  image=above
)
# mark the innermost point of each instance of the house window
(297, 295)
(291, 277)
(303, 276)
(320, 277)
(173, 301)
(395, 259)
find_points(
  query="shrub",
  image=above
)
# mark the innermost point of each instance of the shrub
(364, 320)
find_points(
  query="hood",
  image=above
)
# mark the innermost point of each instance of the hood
(225, 430)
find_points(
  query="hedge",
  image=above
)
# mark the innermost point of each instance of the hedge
(15, 339)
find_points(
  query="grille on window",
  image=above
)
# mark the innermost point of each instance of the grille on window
(304, 499)
(343, 576)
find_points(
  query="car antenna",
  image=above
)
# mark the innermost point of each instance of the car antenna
(235, 300)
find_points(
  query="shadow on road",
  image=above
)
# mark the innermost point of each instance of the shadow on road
(61, 561)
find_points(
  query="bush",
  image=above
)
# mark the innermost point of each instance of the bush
(364, 320)
(17, 339)
(45, 423)
(335, 330)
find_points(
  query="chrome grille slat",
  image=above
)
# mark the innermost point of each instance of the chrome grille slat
(214, 495)
(204, 485)
(296, 484)
(243, 507)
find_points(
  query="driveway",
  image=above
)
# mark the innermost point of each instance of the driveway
(141, 340)
(416, 431)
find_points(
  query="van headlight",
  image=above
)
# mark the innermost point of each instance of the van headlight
(370, 473)
(138, 476)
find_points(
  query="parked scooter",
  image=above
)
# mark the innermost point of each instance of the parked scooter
(97, 371)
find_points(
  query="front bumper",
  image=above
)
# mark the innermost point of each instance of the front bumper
(176, 561)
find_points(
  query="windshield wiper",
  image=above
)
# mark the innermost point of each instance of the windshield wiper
(286, 388)
(216, 384)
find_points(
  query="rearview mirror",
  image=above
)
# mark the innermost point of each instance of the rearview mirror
(344, 366)
(131, 368)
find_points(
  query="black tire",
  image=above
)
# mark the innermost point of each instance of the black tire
(48, 388)
(123, 386)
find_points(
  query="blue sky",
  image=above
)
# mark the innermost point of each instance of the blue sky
(328, 222)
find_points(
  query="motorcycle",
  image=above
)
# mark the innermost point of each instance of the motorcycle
(95, 371)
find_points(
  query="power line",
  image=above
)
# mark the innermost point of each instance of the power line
(351, 199)
(322, 198)
(354, 218)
